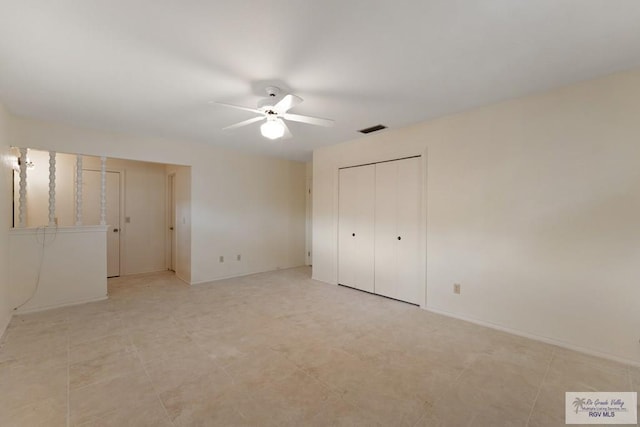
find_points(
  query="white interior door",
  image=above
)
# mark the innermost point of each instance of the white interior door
(309, 222)
(91, 213)
(386, 231)
(172, 222)
(397, 225)
(356, 227)
(408, 228)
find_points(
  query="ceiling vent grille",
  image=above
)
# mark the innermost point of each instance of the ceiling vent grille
(372, 129)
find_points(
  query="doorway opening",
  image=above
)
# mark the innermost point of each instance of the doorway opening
(147, 208)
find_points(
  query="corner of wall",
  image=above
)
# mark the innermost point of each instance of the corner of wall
(512, 210)
(6, 180)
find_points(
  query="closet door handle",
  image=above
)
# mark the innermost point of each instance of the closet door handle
(399, 238)
(353, 234)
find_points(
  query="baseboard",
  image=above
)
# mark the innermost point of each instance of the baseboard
(4, 323)
(323, 281)
(217, 279)
(182, 279)
(202, 282)
(60, 305)
(139, 273)
(541, 338)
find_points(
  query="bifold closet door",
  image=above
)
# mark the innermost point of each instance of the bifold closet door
(397, 228)
(356, 209)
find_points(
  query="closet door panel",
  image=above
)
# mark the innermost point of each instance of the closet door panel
(356, 227)
(365, 228)
(397, 240)
(408, 229)
(386, 229)
(346, 226)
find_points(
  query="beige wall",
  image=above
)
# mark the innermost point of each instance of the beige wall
(532, 205)
(55, 267)
(240, 203)
(5, 220)
(38, 189)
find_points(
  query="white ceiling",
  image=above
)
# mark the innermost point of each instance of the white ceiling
(152, 66)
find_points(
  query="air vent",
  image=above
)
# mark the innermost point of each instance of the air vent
(372, 129)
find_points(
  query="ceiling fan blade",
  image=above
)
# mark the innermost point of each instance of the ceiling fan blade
(309, 120)
(244, 123)
(238, 107)
(289, 101)
(287, 133)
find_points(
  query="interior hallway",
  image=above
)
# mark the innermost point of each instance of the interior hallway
(279, 349)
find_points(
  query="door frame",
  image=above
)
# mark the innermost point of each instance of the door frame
(121, 248)
(309, 221)
(171, 245)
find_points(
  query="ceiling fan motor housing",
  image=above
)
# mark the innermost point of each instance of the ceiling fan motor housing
(272, 91)
(272, 99)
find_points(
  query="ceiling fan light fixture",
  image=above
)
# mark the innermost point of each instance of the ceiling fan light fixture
(272, 129)
(276, 112)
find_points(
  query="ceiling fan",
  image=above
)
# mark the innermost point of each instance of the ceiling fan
(274, 112)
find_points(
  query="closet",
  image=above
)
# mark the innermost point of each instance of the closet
(356, 206)
(379, 228)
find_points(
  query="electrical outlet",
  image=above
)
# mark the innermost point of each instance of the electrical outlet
(221, 258)
(456, 288)
(239, 257)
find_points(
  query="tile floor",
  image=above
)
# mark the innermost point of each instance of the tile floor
(278, 349)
